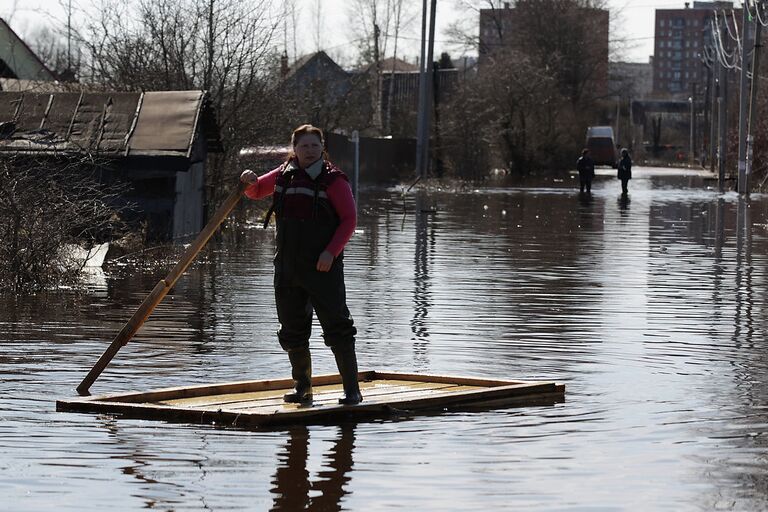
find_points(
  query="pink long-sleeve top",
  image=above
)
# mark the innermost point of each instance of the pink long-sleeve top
(340, 196)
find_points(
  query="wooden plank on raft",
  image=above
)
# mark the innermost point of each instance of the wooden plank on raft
(372, 388)
(323, 396)
(254, 403)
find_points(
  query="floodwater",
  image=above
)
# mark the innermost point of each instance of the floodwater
(651, 310)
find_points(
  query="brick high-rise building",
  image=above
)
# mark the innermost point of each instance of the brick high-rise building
(680, 38)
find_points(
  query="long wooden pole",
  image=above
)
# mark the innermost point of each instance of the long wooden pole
(160, 290)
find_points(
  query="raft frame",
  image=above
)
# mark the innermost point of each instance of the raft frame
(259, 402)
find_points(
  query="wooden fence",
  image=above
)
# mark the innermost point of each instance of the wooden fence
(381, 160)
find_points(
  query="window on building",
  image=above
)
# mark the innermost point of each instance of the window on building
(662, 22)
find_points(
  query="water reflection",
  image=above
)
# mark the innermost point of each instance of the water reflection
(624, 203)
(422, 300)
(653, 313)
(743, 321)
(294, 489)
(585, 198)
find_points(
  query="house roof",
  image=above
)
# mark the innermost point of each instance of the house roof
(108, 123)
(311, 59)
(17, 60)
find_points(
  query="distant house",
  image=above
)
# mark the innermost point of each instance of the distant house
(316, 70)
(156, 141)
(318, 89)
(17, 60)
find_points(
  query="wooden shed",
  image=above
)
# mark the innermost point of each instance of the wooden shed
(158, 142)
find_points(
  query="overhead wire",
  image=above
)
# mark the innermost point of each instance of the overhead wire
(719, 47)
(763, 22)
(736, 29)
(756, 16)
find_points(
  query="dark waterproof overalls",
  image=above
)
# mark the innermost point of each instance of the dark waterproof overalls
(306, 222)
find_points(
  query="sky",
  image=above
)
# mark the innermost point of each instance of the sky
(632, 20)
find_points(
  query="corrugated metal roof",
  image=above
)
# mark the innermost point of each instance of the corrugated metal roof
(109, 123)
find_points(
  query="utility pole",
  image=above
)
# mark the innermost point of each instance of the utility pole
(753, 98)
(425, 89)
(420, 125)
(722, 121)
(743, 96)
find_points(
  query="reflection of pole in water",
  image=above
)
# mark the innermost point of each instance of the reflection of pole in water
(421, 294)
(719, 231)
(292, 484)
(717, 269)
(744, 294)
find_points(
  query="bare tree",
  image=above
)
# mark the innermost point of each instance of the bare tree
(291, 13)
(317, 17)
(38, 223)
(222, 46)
(377, 24)
(398, 19)
(55, 51)
(543, 66)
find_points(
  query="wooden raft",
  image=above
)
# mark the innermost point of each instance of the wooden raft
(260, 402)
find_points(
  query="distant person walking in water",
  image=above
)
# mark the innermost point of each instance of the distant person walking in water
(315, 215)
(586, 167)
(625, 170)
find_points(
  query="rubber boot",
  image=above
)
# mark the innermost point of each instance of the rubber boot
(346, 360)
(301, 371)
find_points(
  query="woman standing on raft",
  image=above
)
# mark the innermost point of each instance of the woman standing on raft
(316, 216)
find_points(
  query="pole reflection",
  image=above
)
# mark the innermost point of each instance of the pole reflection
(292, 484)
(743, 322)
(422, 294)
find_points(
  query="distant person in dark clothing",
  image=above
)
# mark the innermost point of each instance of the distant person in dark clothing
(586, 167)
(625, 170)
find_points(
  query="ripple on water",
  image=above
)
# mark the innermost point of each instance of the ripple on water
(650, 310)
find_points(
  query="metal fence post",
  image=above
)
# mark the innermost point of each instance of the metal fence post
(356, 142)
